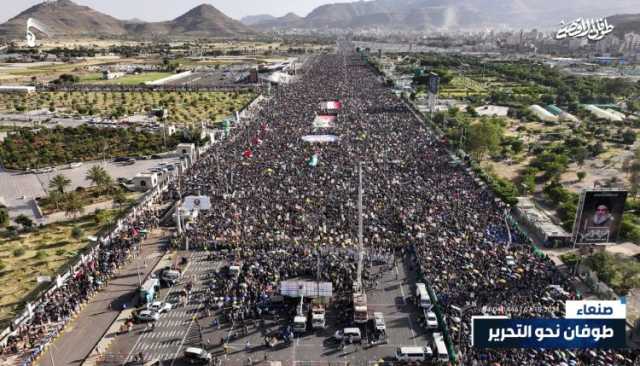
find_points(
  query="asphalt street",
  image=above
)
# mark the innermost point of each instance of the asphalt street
(177, 329)
(187, 326)
(81, 335)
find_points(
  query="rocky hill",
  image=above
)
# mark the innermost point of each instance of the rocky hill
(65, 18)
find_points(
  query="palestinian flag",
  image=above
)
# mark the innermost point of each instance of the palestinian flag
(331, 105)
(324, 121)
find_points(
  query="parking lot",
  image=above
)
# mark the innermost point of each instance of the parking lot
(190, 326)
(17, 189)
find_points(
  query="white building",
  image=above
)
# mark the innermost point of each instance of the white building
(17, 89)
(108, 75)
(543, 114)
(145, 181)
(187, 151)
(604, 114)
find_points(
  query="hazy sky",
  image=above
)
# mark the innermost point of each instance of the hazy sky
(154, 10)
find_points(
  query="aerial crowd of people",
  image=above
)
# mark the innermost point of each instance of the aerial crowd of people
(278, 209)
(284, 207)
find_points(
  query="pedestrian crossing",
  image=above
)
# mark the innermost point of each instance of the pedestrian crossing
(176, 329)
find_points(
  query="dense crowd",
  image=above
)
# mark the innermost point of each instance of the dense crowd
(57, 307)
(283, 211)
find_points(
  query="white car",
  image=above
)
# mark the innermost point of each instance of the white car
(349, 334)
(147, 316)
(159, 307)
(432, 321)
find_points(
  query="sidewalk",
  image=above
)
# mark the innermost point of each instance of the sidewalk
(81, 335)
(99, 351)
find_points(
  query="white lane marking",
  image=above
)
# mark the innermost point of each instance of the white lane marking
(164, 300)
(404, 302)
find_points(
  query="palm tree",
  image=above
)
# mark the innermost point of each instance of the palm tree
(73, 205)
(56, 198)
(97, 175)
(59, 183)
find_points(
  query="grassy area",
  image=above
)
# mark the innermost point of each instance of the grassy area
(91, 78)
(38, 253)
(129, 79)
(184, 107)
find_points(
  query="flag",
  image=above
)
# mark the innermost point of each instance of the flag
(332, 104)
(247, 154)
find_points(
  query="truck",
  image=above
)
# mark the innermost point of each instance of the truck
(360, 311)
(317, 316)
(300, 321)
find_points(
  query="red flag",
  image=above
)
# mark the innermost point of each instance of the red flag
(248, 154)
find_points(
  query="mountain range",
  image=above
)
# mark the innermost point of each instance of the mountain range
(66, 18)
(624, 23)
(449, 15)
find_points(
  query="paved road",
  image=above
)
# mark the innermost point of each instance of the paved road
(177, 329)
(80, 336)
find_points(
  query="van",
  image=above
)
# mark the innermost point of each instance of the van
(413, 354)
(170, 276)
(378, 322)
(349, 335)
(423, 296)
(197, 356)
(440, 348)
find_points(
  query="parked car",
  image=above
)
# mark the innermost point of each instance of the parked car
(145, 316)
(159, 307)
(432, 321)
(197, 356)
(349, 335)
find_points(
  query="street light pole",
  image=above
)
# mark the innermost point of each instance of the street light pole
(508, 229)
(360, 241)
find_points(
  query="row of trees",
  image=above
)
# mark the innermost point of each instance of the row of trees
(49, 147)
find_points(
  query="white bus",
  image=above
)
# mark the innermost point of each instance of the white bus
(440, 348)
(423, 296)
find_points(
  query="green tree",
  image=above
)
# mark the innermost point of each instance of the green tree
(77, 233)
(56, 198)
(581, 175)
(25, 221)
(484, 137)
(628, 137)
(4, 217)
(100, 178)
(517, 146)
(119, 197)
(59, 183)
(73, 205)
